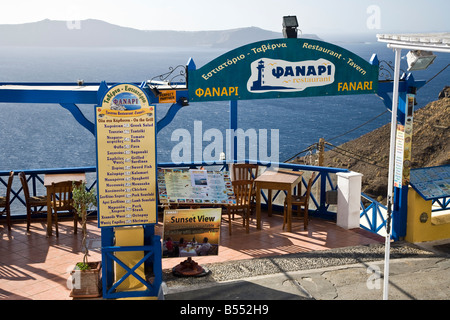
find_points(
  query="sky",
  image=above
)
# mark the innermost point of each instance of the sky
(316, 16)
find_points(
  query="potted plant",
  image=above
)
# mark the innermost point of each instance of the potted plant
(86, 280)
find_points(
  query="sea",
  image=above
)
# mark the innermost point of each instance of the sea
(40, 136)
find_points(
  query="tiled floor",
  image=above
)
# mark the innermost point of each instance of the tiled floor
(35, 267)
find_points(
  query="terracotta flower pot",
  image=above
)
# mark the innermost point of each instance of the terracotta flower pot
(87, 283)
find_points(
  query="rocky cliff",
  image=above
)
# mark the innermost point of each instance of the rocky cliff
(369, 154)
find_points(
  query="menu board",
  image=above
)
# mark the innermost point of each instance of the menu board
(399, 151)
(126, 161)
(431, 183)
(191, 186)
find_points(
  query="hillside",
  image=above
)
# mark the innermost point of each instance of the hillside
(96, 33)
(369, 154)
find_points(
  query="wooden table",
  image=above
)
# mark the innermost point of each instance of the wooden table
(276, 180)
(55, 178)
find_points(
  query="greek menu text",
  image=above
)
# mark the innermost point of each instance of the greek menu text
(126, 162)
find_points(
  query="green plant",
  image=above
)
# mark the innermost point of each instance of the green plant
(82, 266)
(83, 200)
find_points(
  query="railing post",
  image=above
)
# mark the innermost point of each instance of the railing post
(323, 193)
(107, 240)
(349, 200)
(233, 128)
(399, 213)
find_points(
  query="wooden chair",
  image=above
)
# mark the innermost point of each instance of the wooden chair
(242, 191)
(301, 203)
(61, 201)
(249, 172)
(32, 201)
(4, 201)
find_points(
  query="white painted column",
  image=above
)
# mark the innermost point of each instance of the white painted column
(349, 199)
(390, 193)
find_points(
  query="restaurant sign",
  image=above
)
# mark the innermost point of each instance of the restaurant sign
(126, 161)
(283, 68)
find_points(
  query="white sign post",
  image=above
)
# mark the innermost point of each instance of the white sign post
(391, 171)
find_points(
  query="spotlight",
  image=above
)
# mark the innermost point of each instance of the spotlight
(419, 60)
(183, 101)
(290, 25)
(155, 91)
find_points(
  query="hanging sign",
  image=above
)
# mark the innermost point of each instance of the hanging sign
(126, 158)
(283, 68)
(168, 96)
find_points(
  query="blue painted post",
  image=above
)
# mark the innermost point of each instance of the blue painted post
(79, 116)
(107, 264)
(233, 127)
(323, 194)
(400, 211)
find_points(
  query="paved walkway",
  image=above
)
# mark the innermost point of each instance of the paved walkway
(353, 273)
(325, 262)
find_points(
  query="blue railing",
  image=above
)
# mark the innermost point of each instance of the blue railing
(441, 204)
(372, 217)
(35, 178)
(372, 213)
(319, 206)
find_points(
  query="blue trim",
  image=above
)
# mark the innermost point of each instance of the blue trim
(386, 87)
(162, 123)
(152, 252)
(36, 180)
(79, 116)
(29, 94)
(374, 210)
(443, 203)
(233, 128)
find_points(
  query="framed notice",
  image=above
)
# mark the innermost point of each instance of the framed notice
(191, 232)
(191, 186)
(126, 158)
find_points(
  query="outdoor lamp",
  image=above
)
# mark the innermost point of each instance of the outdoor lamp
(155, 91)
(290, 25)
(183, 101)
(419, 59)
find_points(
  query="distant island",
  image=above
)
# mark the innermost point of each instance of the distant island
(96, 33)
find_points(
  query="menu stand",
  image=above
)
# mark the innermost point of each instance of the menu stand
(189, 268)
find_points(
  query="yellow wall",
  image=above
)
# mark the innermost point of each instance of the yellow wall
(417, 231)
(129, 236)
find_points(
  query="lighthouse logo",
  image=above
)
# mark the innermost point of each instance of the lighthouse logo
(279, 75)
